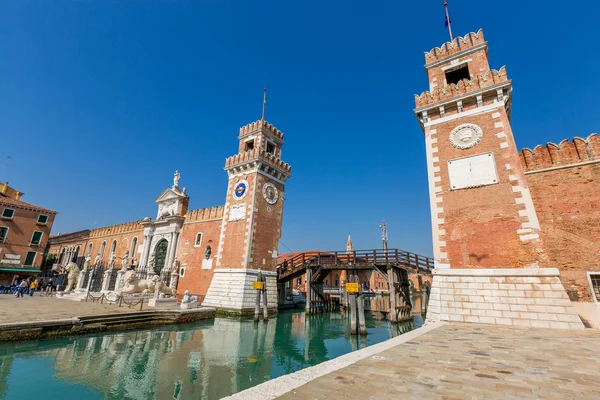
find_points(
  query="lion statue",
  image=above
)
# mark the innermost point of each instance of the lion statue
(72, 271)
(132, 285)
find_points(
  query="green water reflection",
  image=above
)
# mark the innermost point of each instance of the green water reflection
(201, 361)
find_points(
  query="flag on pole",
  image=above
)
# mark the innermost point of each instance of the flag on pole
(448, 21)
(264, 105)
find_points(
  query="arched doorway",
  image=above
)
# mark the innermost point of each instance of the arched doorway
(160, 255)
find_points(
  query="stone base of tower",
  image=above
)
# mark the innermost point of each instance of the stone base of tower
(523, 297)
(231, 291)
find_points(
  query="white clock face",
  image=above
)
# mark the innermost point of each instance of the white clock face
(240, 189)
(270, 193)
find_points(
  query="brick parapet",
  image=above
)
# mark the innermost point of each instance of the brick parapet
(457, 45)
(261, 125)
(205, 214)
(481, 81)
(116, 229)
(257, 154)
(567, 152)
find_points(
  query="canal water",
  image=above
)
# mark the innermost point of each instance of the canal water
(207, 360)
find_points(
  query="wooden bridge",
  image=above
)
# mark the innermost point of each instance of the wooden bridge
(393, 264)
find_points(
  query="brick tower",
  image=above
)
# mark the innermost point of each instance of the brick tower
(252, 220)
(486, 234)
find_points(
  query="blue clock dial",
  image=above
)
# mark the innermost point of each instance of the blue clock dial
(240, 189)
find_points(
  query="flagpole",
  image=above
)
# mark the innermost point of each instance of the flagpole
(264, 104)
(448, 19)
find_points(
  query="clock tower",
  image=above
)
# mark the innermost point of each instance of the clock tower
(252, 220)
(487, 241)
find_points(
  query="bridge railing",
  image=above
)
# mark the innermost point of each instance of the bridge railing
(358, 258)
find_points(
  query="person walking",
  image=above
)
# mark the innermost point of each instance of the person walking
(22, 288)
(33, 287)
(49, 286)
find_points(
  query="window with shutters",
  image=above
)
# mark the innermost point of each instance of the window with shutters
(36, 239)
(29, 260)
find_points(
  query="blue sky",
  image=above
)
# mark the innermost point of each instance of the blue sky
(100, 102)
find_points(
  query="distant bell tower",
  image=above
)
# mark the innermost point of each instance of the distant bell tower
(484, 224)
(252, 220)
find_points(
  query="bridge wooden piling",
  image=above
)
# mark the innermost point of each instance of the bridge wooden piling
(352, 313)
(261, 290)
(308, 307)
(393, 315)
(362, 325)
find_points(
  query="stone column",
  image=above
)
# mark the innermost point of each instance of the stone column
(119, 282)
(81, 279)
(106, 281)
(174, 279)
(171, 250)
(146, 252)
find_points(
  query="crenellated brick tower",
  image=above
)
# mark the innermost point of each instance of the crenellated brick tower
(252, 220)
(486, 235)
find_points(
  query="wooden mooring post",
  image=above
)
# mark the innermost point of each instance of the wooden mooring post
(362, 325)
(357, 307)
(308, 308)
(393, 316)
(352, 298)
(261, 290)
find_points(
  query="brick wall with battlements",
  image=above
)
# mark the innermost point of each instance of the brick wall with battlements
(564, 180)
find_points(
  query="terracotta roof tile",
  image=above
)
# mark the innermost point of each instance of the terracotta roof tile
(10, 202)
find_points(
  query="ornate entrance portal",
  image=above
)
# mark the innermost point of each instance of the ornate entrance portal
(160, 255)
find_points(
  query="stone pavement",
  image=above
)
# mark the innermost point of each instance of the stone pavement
(471, 361)
(37, 308)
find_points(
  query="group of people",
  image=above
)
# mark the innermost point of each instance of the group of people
(27, 286)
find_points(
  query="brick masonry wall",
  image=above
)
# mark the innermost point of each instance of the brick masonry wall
(234, 237)
(266, 229)
(523, 297)
(567, 202)
(195, 278)
(466, 217)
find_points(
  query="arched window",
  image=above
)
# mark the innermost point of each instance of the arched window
(133, 248)
(113, 247)
(62, 256)
(89, 250)
(102, 247)
(76, 255)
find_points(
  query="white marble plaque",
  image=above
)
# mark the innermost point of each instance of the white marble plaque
(237, 212)
(207, 264)
(474, 171)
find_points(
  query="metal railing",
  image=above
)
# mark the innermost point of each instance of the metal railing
(114, 298)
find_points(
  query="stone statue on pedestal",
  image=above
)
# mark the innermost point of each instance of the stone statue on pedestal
(125, 260)
(188, 301)
(176, 178)
(86, 263)
(131, 285)
(207, 252)
(72, 271)
(97, 260)
(112, 261)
